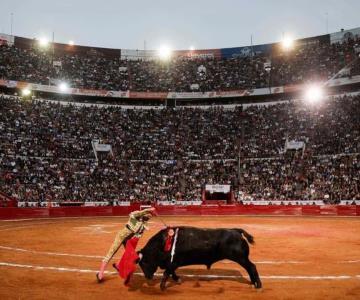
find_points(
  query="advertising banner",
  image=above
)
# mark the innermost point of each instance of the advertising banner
(191, 95)
(344, 35)
(8, 83)
(246, 51)
(148, 95)
(217, 188)
(235, 93)
(199, 54)
(172, 95)
(138, 54)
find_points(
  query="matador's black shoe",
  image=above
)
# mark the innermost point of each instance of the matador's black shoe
(99, 280)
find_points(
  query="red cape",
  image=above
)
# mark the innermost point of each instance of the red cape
(127, 265)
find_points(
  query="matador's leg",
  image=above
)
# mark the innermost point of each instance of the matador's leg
(120, 237)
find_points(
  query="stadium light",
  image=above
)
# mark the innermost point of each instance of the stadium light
(192, 48)
(25, 92)
(314, 94)
(71, 43)
(43, 42)
(287, 43)
(63, 87)
(164, 52)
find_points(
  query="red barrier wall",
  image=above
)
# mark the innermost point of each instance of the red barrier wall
(326, 210)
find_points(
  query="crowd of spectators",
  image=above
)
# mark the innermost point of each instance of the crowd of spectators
(304, 63)
(313, 62)
(330, 179)
(50, 129)
(161, 154)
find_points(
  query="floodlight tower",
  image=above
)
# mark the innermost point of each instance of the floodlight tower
(26, 93)
(287, 43)
(63, 87)
(164, 52)
(314, 93)
(43, 42)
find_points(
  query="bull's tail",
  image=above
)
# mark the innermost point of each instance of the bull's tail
(247, 235)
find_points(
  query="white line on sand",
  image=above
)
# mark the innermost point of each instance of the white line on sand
(50, 253)
(276, 277)
(264, 262)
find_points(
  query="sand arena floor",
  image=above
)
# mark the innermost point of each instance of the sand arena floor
(297, 258)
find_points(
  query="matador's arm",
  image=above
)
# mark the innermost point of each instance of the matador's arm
(140, 213)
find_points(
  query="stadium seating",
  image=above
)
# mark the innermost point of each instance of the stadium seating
(161, 154)
(306, 63)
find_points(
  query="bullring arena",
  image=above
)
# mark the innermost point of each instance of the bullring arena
(217, 121)
(298, 257)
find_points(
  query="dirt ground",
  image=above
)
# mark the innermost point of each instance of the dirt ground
(297, 258)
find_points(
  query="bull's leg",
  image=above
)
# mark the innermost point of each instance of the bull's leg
(163, 280)
(251, 269)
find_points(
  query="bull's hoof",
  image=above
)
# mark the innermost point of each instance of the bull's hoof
(178, 281)
(258, 285)
(176, 278)
(163, 286)
(150, 282)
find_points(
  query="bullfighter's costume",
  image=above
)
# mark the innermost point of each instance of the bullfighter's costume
(132, 230)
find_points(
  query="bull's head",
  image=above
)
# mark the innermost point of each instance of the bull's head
(147, 264)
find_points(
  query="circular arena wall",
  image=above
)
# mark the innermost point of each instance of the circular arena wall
(203, 210)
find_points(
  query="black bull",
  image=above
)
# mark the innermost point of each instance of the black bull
(196, 246)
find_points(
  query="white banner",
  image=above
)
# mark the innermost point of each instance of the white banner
(194, 87)
(217, 188)
(294, 145)
(103, 147)
(138, 54)
(343, 81)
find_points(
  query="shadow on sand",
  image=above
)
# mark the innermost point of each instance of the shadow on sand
(196, 276)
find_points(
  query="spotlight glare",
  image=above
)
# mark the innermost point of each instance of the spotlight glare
(71, 43)
(164, 52)
(25, 92)
(192, 48)
(63, 87)
(43, 42)
(314, 94)
(287, 43)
